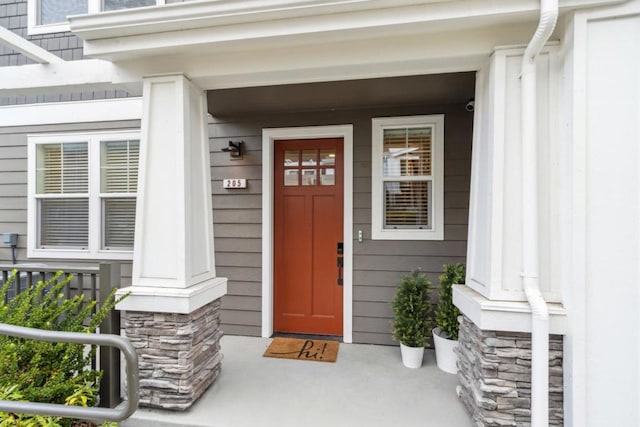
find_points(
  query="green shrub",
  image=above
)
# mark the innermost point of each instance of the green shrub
(43, 371)
(447, 313)
(80, 397)
(411, 306)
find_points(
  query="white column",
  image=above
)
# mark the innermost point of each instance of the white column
(495, 246)
(493, 297)
(173, 262)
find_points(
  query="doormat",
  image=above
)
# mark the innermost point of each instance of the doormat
(303, 349)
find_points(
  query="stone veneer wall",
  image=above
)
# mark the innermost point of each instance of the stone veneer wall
(179, 354)
(495, 376)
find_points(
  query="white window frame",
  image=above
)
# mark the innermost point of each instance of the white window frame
(378, 232)
(94, 251)
(33, 28)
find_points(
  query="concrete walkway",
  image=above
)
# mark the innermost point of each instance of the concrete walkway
(367, 386)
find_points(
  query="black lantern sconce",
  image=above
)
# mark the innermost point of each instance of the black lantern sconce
(234, 149)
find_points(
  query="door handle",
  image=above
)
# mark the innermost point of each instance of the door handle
(340, 262)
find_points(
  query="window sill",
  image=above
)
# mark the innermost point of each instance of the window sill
(76, 254)
(35, 30)
(407, 235)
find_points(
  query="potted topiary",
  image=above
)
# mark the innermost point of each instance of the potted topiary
(411, 322)
(445, 334)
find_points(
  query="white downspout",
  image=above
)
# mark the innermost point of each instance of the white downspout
(539, 311)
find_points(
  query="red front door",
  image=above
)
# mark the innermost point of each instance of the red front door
(308, 230)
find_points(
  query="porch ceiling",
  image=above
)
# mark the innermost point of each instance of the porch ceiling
(433, 89)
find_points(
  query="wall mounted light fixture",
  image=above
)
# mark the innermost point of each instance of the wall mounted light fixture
(234, 149)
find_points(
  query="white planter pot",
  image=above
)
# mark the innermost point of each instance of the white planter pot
(411, 356)
(445, 357)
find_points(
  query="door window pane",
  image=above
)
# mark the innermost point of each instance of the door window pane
(291, 158)
(308, 177)
(327, 176)
(328, 157)
(309, 157)
(290, 177)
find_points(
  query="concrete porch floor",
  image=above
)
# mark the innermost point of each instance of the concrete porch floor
(367, 386)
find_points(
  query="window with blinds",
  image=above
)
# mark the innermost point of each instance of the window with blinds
(406, 162)
(62, 187)
(82, 191)
(407, 175)
(118, 186)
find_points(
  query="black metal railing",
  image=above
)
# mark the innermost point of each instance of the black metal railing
(95, 282)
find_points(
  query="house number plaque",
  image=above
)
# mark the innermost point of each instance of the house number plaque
(234, 183)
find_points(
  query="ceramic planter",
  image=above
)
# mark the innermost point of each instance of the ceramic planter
(445, 357)
(411, 356)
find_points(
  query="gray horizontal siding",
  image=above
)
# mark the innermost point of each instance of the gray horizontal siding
(237, 217)
(378, 265)
(230, 245)
(13, 192)
(238, 214)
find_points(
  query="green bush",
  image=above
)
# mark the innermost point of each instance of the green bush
(81, 397)
(50, 372)
(447, 313)
(411, 307)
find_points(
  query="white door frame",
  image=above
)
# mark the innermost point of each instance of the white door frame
(269, 136)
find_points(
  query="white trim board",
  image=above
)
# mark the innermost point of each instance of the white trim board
(62, 77)
(27, 48)
(269, 136)
(104, 110)
(511, 316)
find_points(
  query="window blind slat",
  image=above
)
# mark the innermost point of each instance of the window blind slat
(407, 204)
(407, 152)
(119, 166)
(62, 168)
(119, 222)
(64, 222)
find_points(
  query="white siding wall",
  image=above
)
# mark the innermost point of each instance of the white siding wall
(495, 234)
(604, 342)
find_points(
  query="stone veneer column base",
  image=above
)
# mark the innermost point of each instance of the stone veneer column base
(494, 369)
(179, 354)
